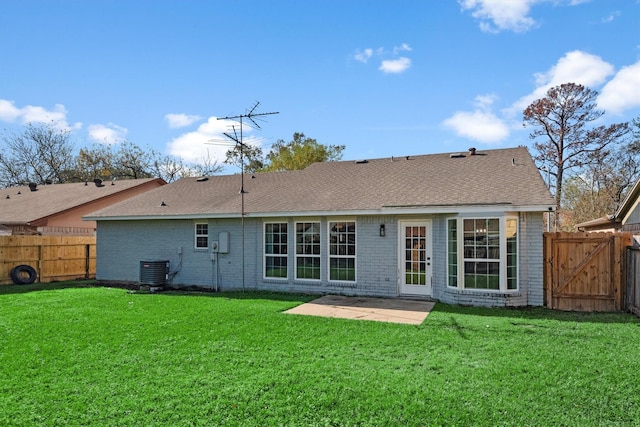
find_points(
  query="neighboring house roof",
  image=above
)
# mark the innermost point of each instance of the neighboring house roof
(606, 222)
(629, 203)
(504, 179)
(21, 205)
(620, 217)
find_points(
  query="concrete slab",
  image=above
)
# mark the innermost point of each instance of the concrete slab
(394, 310)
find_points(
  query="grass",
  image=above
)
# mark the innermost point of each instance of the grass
(99, 356)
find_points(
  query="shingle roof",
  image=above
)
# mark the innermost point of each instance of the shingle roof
(506, 177)
(20, 205)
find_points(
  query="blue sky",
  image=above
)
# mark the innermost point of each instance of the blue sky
(384, 78)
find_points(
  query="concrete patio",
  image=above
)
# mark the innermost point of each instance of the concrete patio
(394, 310)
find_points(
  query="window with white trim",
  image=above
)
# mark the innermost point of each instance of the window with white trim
(342, 251)
(307, 250)
(482, 253)
(275, 250)
(202, 235)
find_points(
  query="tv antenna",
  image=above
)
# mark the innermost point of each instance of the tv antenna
(236, 138)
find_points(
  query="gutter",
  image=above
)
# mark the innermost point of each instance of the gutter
(386, 210)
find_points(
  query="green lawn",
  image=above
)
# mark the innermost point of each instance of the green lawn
(109, 357)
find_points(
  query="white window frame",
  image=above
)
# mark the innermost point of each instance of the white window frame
(299, 256)
(200, 235)
(503, 261)
(266, 255)
(337, 256)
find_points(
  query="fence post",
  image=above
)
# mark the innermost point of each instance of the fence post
(40, 263)
(87, 260)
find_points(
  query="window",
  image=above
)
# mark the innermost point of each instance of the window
(275, 250)
(342, 251)
(452, 253)
(308, 250)
(481, 248)
(512, 253)
(482, 253)
(202, 236)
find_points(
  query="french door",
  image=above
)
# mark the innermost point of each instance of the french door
(415, 258)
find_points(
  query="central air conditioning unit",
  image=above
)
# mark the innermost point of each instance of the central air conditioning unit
(154, 273)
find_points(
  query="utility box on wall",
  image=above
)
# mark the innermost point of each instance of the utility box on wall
(223, 242)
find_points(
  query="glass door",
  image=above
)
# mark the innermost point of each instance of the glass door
(415, 258)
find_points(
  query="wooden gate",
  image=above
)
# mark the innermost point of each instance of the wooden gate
(585, 271)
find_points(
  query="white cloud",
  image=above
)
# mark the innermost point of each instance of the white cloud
(577, 67)
(108, 134)
(485, 102)
(623, 91)
(478, 125)
(402, 48)
(611, 17)
(390, 62)
(395, 66)
(481, 124)
(35, 114)
(574, 67)
(208, 141)
(181, 120)
(500, 15)
(8, 111)
(363, 55)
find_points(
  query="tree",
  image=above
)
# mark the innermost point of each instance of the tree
(95, 162)
(171, 168)
(251, 155)
(43, 153)
(40, 153)
(561, 119)
(129, 161)
(296, 154)
(299, 153)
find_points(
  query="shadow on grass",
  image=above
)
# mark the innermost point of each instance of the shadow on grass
(35, 287)
(134, 288)
(537, 313)
(521, 313)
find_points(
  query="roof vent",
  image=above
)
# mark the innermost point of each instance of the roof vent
(202, 179)
(472, 151)
(456, 155)
(33, 186)
(48, 181)
(360, 162)
(98, 182)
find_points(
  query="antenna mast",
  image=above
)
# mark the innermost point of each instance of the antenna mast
(252, 116)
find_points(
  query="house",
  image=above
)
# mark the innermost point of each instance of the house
(462, 228)
(626, 218)
(59, 208)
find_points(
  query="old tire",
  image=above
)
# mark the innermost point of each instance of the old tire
(23, 275)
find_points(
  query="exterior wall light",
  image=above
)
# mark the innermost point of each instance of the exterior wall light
(382, 232)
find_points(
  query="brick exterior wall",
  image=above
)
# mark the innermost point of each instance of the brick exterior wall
(121, 245)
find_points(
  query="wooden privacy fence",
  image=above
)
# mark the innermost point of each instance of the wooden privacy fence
(53, 257)
(633, 280)
(585, 271)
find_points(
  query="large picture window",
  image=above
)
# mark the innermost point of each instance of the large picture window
(342, 251)
(308, 250)
(482, 253)
(202, 236)
(275, 250)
